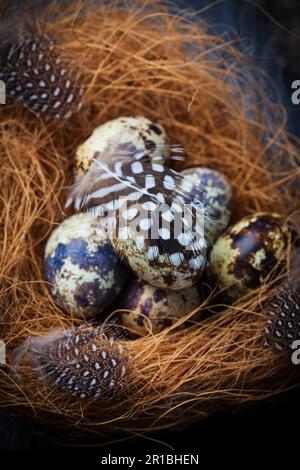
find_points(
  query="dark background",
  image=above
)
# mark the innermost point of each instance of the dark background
(269, 29)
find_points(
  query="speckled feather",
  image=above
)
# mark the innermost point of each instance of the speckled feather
(36, 74)
(283, 322)
(88, 362)
(134, 178)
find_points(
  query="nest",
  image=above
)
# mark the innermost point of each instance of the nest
(144, 60)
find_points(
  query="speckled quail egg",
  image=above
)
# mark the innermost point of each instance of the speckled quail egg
(154, 309)
(213, 189)
(161, 237)
(119, 136)
(81, 267)
(244, 256)
(162, 263)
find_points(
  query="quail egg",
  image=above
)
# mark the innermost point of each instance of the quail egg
(164, 262)
(154, 309)
(245, 255)
(81, 267)
(118, 136)
(214, 190)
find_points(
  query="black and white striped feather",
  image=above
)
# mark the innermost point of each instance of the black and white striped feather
(130, 179)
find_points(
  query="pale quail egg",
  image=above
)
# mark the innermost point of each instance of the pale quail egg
(119, 136)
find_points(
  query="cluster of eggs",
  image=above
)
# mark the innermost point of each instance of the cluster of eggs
(87, 270)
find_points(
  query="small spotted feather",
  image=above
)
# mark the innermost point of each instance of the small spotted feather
(37, 76)
(88, 362)
(283, 326)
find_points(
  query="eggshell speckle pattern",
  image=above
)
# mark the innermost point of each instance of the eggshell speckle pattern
(213, 189)
(137, 133)
(153, 308)
(83, 272)
(244, 256)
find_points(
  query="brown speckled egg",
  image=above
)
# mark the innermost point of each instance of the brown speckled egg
(247, 252)
(154, 309)
(134, 132)
(163, 262)
(212, 188)
(84, 273)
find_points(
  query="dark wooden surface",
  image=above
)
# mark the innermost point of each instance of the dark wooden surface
(277, 52)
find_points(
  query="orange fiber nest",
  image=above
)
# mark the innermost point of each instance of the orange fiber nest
(145, 60)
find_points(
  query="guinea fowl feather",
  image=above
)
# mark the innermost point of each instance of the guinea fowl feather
(130, 178)
(35, 72)
(283, 310)
(89, 362)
